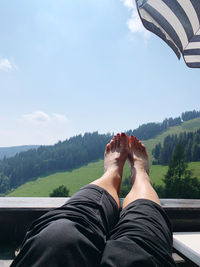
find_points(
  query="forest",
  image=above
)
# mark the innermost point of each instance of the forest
(178, 182)
(80, 150)
(67, 155)
(150, 130)
(190, 142)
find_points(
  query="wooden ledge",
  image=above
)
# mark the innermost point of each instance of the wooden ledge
(180, 203)
(17, 214)
(31, 203)
(17, 203)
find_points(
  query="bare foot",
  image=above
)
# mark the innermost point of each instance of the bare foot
(142, 186)
(116, 154)
(137, 158)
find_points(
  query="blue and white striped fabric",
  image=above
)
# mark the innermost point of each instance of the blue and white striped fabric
(177, 22)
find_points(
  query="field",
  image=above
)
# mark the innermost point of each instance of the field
(187, 126)
(77, 178)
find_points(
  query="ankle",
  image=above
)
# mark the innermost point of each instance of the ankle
(141, 167)
(113, 173)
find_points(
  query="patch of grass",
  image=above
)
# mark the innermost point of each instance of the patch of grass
(192, 124)
(157, 173)
(77, 178)
(73, 180)
(195, 167)
(188, 126)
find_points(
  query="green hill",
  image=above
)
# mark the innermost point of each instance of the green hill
(188, 126)
(73, 180)
(13, 150)
(79, 177)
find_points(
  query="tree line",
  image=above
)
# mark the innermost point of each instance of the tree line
(190, 142)
(189, 115)
(152, 129)
(67, 155)
(72, 153)
(178, 182)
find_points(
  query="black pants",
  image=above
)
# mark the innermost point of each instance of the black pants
(89, 231)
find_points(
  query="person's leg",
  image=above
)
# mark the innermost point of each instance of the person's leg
(75, 234)
(143, 233)
(142, 187)
(115, 156)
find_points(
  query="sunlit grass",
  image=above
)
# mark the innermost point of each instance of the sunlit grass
(77, 178)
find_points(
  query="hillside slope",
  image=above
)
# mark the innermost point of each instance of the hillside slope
(13, 150)
(79, 177)
(188, 126)
(80, 150)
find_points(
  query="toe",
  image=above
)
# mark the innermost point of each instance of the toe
(131, 141)
(112, 144)
(115, 141)
(118, 140)
(124, 140)
(135, 142)
(107, 148)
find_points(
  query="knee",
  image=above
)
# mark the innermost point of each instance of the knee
(60, 234)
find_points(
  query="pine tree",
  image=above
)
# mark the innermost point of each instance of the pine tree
(179, 182)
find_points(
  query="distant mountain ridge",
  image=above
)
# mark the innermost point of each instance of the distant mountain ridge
(152, 129)
(76, 152)
(143, 132)
(13, 150)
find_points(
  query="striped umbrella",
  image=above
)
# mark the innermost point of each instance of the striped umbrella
(177, 22)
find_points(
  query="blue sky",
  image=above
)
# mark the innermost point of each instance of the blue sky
(74, 66)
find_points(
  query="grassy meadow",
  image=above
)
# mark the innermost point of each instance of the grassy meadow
(79, 177)
(187, 126)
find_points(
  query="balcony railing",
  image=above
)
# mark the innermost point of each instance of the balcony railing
(16, 215)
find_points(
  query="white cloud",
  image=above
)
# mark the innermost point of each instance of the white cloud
(37, 116)
(37, 127)
(134, 23)
(42, 118)
(6, 65)
(129, 3)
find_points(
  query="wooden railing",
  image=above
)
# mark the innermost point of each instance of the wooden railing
(17, 214)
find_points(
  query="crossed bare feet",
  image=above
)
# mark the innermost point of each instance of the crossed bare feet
(122, 148)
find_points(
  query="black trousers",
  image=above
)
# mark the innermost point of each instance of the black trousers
(89, 231)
